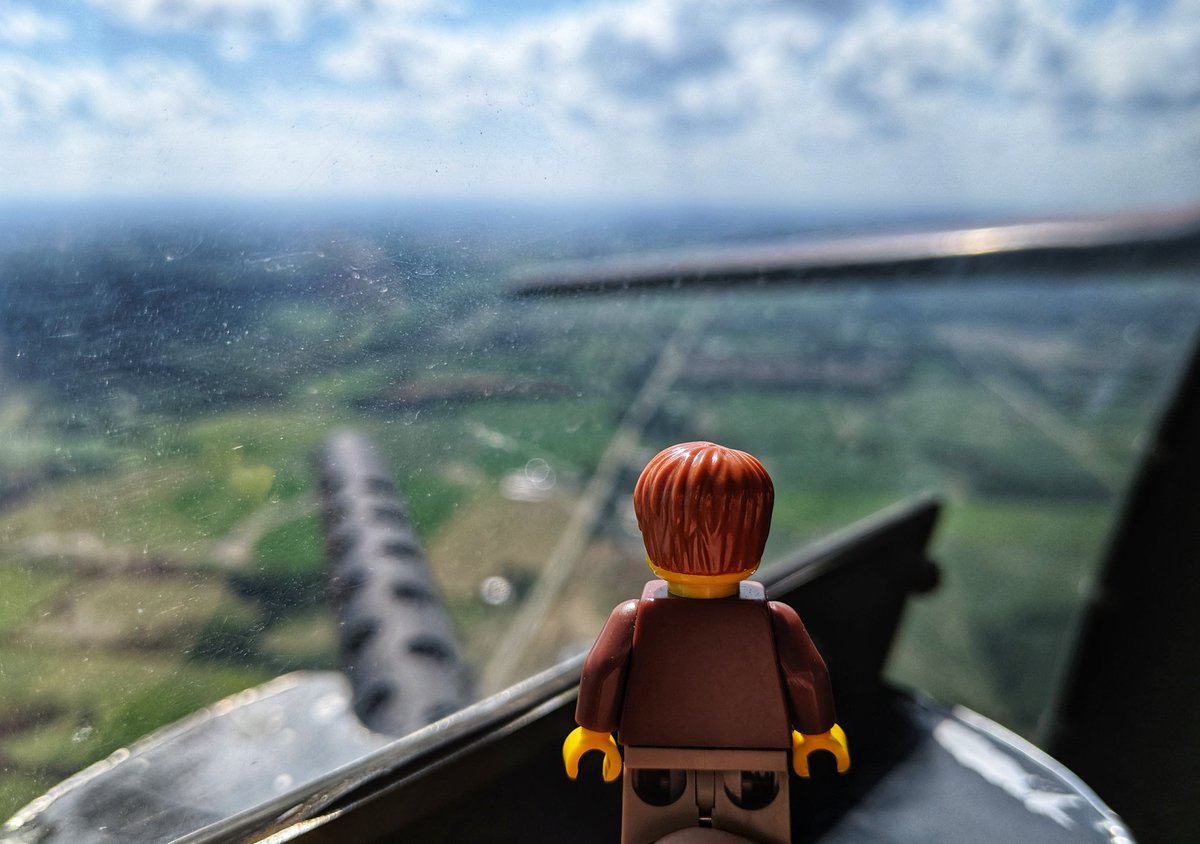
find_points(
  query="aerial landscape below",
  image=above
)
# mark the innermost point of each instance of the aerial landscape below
(167, 383)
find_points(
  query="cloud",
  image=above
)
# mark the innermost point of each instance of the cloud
(237, 29)
(658, 63)
(286, 20)
(265, 18)
(640, 71)
(957, 102)
(139, 96)
(971, 100)
(23, 27)
(1143, 65)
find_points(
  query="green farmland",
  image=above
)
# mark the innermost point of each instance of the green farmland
(159, 415)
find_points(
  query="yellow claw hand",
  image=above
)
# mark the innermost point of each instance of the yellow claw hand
(580, 741)
(834, 741)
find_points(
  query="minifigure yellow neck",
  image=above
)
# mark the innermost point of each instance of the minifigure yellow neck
(701, 585)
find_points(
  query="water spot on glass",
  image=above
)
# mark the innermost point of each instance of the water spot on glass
(495, 590)
(539, 473)
(180, 245)
(329, 706)
(1134, 334)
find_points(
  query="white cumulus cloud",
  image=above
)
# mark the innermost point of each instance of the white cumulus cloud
(140, 95)
(283, 19)
(22, 26)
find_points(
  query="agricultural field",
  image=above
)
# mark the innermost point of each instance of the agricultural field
(163, 395)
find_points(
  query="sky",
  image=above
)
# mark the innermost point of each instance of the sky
(1033, 105)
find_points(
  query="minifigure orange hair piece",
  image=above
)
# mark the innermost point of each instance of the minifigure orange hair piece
(704, 509)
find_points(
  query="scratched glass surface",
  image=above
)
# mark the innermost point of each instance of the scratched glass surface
(232, 228)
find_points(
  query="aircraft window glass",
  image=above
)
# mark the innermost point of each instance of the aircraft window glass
(205, 269)
(161, 542)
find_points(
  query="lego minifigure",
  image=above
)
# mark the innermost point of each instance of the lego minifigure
(708, 686)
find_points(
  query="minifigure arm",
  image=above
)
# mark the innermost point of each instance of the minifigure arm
(810, 698)
(601, 693)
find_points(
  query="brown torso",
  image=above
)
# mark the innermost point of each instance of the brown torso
(704, 673)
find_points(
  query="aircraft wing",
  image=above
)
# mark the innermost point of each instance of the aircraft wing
(1062, 246)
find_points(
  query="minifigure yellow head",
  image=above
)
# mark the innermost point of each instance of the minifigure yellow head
(704, 511)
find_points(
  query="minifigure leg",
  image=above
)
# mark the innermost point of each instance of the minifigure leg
(710, 798)
(742, 792)
(644, 823)
(768, 824)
